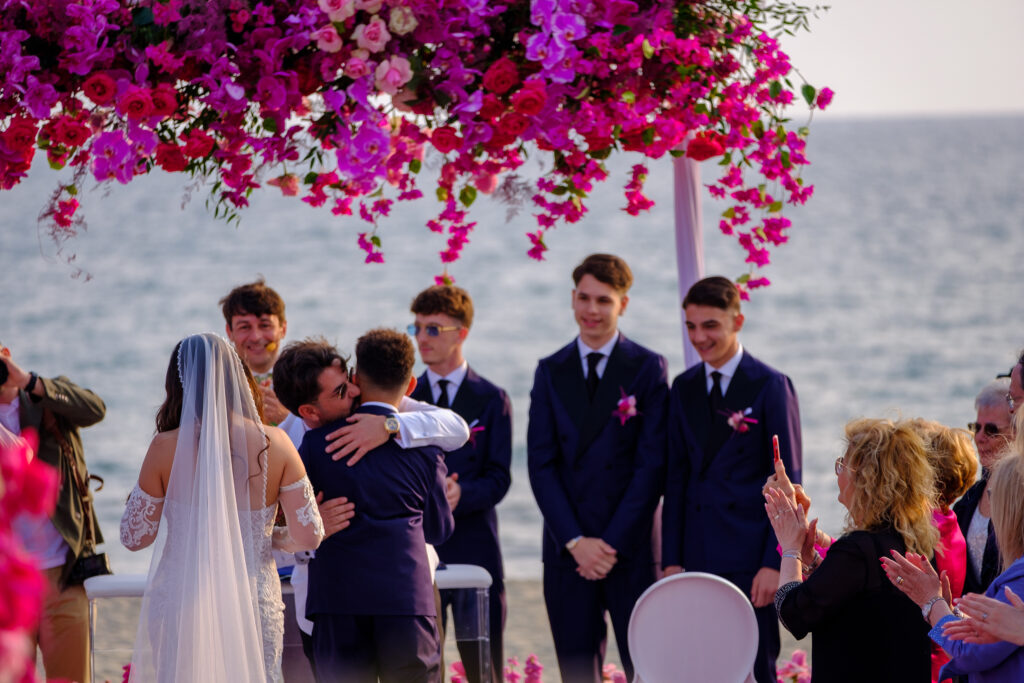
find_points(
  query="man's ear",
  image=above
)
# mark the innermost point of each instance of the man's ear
(625, 301)
(737, 322)
(463, 333)
(412, 386)
(309, 414)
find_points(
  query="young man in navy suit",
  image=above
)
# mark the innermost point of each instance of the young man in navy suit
(371, 596)
(478, 473)
(596, 454)
(722, 416)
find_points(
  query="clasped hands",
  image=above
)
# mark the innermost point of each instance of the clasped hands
(594, 558)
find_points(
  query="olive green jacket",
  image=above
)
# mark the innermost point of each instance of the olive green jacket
(73, 407)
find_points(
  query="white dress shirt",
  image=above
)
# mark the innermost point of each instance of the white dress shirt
(728, 370)
(605, 351)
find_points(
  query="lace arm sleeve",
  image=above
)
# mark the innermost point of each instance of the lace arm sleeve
(305, 529)
(141, 519)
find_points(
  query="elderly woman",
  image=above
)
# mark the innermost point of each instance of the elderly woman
(863, 628)
(981, 662)
(992, 435)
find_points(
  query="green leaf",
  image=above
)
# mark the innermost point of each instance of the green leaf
(775, 89)
(375, 241)
(786, 163)
(677, 153)
(71, 190)
(467, 196)
(809, 93)
(729, 213)
(775, 206)
(648, 136)
(442, 194)
(647, 48)
(270, 125)
(620, 29)
(757, 128)
(629, 97)
(310, 177)
(559, 191)
(803, 131)
(601, 153)
(743, 279)
(415, 165)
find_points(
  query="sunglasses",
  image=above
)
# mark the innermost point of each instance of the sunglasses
(431, 330)
(840, 466)
(988, 428)
(341, 392)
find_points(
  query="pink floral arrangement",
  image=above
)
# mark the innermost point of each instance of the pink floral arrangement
(27, 486)
(532, 671)
(626, 407)
(796, 670)
(336, 101)
(740, 420)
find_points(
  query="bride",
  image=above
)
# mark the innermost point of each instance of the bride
(212, 610)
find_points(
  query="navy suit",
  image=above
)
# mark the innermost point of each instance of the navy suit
(595, 476)
(964, 509)
(371, 598)
(483, 467)
(713, 518)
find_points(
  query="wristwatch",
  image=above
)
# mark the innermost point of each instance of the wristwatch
(926, 609)
(391, 425)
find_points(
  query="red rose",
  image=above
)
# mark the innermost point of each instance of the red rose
(531, 98)
(170, 158)
(100, 88)
(164, 99)
(69, 132)
(501, 76)
(445, 139)
(704, 146)
(512, 125)
(20, 136)
(492, 107)
(197, 144)
(135, 104)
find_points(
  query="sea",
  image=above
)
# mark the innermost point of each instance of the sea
(896, 295)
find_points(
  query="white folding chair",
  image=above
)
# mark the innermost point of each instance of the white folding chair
(693, 627)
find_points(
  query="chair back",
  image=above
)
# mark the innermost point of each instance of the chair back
(693, 627)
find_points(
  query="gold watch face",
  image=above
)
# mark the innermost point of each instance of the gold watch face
(391, 424)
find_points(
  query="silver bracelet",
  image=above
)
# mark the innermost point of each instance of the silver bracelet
(792, 554)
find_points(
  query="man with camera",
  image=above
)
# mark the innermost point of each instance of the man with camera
(63, 545)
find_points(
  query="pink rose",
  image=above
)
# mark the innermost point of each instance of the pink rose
(170, 158)
(445, 139)
(501, 76)
(357, 65)
(20, 136)
(392, 74)
(197, 144)
(100, 88)
(70, 133)
(531, 98)
(371, 6)
(402, 21)
(338, 10)
(164, 99)
(372, 36)
(135, 103)
(327, 38)
(512, 125)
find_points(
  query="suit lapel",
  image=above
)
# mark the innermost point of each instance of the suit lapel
(697, 409)
(567, 377)
(422, 391)
(467, 401)
(743, 390)
(622, 367)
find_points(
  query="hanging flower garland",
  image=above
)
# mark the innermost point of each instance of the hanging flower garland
(335, 101)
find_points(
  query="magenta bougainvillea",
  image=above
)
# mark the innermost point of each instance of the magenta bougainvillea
(336, 101)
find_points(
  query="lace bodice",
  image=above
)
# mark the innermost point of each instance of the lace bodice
(141, 521)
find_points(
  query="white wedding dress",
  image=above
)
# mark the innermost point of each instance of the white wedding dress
(212, 610)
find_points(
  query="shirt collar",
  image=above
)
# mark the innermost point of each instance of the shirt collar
(454, 377)
(605, 350)
(729, 369)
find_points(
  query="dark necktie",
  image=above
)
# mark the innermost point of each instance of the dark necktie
(442, 399)
(719, 421)
(716, 394)
(592, 379)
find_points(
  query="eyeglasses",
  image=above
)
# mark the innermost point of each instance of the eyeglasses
(340, 392)
(990, 429)
(432, 330)
(840, 466)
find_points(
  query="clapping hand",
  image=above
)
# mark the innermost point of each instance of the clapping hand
(991, 620)
(788, 519)
(916, 578)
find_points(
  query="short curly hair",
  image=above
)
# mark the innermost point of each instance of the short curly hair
(385, 358)
(297, 371)
(892, 482)
(447, 299)
(253, 298)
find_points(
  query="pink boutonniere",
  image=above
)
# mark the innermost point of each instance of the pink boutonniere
(740, 420)
(472, 432)
(626, 407)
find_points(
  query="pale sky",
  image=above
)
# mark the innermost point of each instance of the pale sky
(911, 57)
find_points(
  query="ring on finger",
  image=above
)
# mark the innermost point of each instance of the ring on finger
(984, 616)
(899, 580)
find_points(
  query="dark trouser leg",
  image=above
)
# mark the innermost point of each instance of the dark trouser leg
(623, 587)
(576, 614)
(343, 649)
(768, 643)
(407, 649)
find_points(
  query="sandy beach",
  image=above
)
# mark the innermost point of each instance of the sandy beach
(526, 633)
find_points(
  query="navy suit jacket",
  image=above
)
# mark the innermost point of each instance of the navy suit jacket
(592, 474)
(378, 565)
(964, 509)
(483, 465)
(713, 517)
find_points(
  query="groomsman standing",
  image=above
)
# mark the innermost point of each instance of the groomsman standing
(478, 473)
(596, 454)
(722, 415)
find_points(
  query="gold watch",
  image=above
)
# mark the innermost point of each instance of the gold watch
(391, 425)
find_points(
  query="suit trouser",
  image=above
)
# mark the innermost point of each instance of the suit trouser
(768, 642)
(63, 635)
(361, 649)
(576, 610)
(464, 615)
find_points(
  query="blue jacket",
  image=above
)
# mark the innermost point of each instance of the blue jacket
(713, 518)
(591, 473)
(996, 663)
(378, 565)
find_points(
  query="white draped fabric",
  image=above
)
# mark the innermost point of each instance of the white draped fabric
(689, 237)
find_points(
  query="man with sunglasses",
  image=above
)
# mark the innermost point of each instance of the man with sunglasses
(312, 381)
(479, 472)
(992, 433)
(1015, 394)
